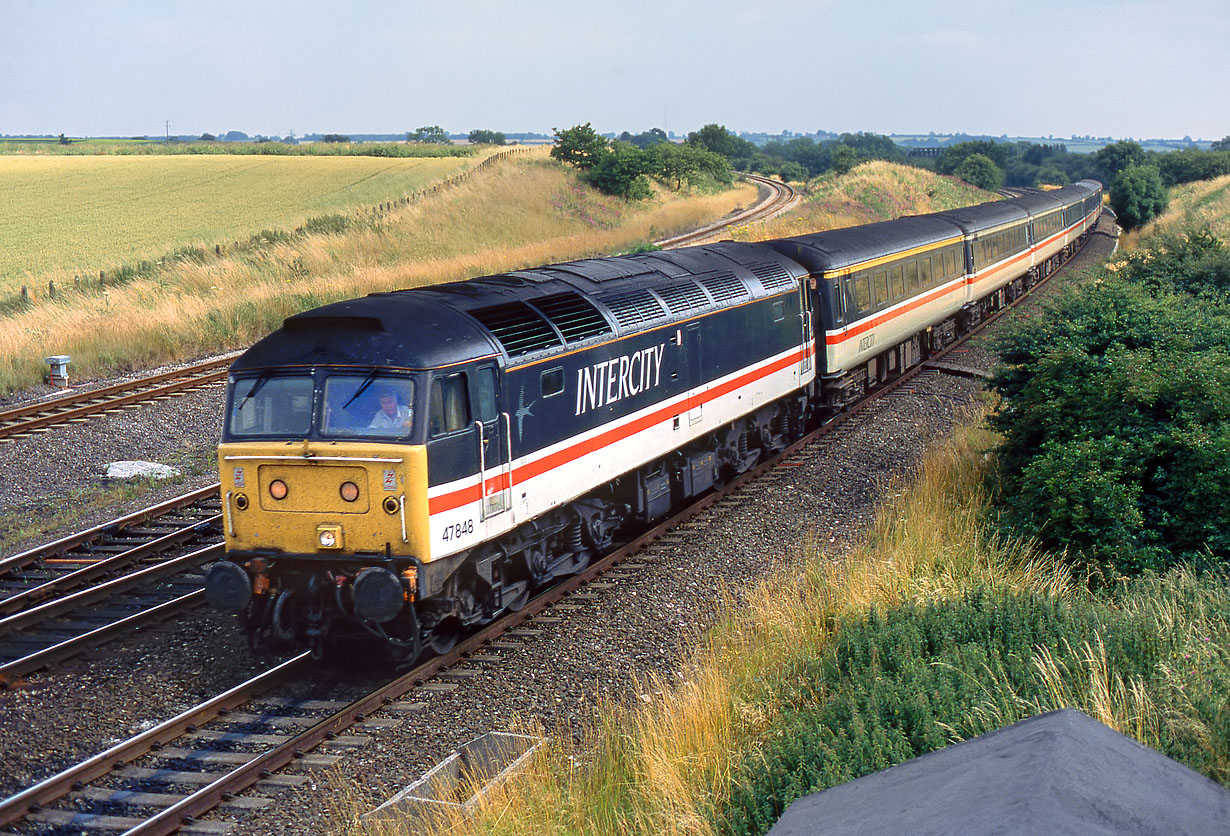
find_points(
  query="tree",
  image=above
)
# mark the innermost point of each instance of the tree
(981, 171)
(481, 137)
(1222, 144)
(621, 171)
(208, 137)
(579, 145)
(843, 158)
(431, 134)
(1113, 158)
(65, 140)
(1137, 195)
(332, 138)
(686, 163)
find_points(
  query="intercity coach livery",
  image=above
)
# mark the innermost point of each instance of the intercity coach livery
(408, 465)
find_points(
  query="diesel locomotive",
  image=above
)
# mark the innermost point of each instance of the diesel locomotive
(408, 465)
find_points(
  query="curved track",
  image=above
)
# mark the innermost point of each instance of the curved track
(782, 196)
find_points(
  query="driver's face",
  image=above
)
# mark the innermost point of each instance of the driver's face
(388, 404)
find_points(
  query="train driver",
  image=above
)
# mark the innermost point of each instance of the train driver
(391, 414)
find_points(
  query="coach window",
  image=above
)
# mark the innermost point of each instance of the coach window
(862, 292)
(924, 271)
(880, 280)
(449, 410)
(552, 382)
(911, 278)
(896, 282)
(950, 263)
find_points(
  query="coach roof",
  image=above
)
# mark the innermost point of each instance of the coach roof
(836, 249)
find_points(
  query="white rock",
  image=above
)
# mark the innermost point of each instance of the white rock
(133, 470)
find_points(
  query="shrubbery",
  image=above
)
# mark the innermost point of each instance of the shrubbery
(1116, 414)
(913, 679)
(622, 168)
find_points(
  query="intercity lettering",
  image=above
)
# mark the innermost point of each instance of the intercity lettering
(612, 380)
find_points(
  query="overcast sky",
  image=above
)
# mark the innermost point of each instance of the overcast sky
(1151, 68)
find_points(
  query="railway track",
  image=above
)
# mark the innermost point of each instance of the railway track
(77, 407)
(782, 197)
(242, 738)
(87, 588)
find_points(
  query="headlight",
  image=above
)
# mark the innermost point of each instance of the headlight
(350, 491)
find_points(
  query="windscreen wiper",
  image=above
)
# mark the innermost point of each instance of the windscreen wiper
(367, 381)
(260, 383)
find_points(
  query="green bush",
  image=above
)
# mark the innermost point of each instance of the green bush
(1137, 195)
(917, 678)
(1115, 414)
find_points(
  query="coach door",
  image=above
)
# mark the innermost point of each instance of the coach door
(805, 324)
(494, 442)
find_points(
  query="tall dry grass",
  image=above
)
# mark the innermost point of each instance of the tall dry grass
(1205, 203)
(874, 191)
(521, 212)
(663, 765)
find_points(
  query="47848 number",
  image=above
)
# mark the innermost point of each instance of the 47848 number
(461, 529)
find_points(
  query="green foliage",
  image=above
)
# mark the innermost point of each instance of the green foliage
(1137, 195)
(327, 138)
(621, 171)
(1222, 144)
(580, 146)
(1191, 165)
(1113, 158)
(481, 137)
(430, 135)
(916, 678)
(645, 139)
(843, 159)
(719, 140)
(621, 168)
(1116, 414)
(981, 171)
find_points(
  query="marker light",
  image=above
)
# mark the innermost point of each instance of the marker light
(350, 491)
(277, 489)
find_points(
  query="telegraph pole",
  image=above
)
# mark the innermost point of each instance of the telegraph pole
(168, 124)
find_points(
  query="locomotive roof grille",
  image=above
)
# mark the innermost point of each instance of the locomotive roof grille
(635, 308)
(683, 297)
(517, 327)
(772, 276)
(725, 287)
(575, 317)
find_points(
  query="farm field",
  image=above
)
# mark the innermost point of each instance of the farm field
(94, 212)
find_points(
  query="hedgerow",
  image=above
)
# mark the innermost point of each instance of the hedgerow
(1115, 414)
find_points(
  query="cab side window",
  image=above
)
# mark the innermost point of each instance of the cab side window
(449, 409)
(484, 394)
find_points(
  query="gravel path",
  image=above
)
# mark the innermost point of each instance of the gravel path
(595, 651)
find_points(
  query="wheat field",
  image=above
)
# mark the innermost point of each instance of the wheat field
(90, 213)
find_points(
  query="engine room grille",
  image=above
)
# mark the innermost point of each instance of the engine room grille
(575, 317)
(725, 287)
(517, 327)
(683, 297)
(772, 276)
(636, 308)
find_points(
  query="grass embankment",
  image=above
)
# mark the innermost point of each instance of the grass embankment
(874, 191)
(928, 633)
(522, 211)
(1192, 206)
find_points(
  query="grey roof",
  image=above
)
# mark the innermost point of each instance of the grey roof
(1058, 773)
